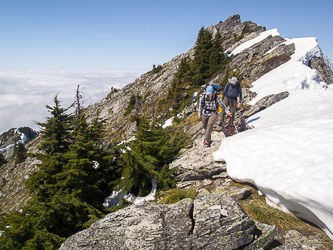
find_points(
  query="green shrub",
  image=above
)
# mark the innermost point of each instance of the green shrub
(157, 69)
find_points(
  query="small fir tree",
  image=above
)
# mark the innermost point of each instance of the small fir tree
(216, 56)
(20, 153)
(2, 159)
(147, 157)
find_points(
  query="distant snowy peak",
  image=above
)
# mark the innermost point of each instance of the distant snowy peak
(23, 140)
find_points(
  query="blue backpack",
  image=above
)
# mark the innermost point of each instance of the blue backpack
(216, 91)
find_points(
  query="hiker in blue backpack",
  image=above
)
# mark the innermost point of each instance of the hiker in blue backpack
(232, 90)
(208, 111)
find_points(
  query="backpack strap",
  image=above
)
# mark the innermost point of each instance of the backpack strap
(203, 101)
(227, 87)
(226, 90)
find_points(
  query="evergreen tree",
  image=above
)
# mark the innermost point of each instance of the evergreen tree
(2, 159)
(216, 56)
(183, 79)
(80, 175)
(66, 196)
(148, 157)
(56, 138)
(20, 153)
(202, 53)
(134, 100)
(226, 77)
(56, 130)
(40, 224)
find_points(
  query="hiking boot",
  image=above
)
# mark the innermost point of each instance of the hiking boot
(207, 143)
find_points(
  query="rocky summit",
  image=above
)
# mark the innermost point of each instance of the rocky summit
(215, 218)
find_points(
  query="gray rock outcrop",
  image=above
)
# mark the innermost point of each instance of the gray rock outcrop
(211, 221)
(294, 240)
(325, 74)
(265, 103)
(232, 28)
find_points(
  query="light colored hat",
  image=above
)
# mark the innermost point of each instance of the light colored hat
(209, 90)
(233, 79)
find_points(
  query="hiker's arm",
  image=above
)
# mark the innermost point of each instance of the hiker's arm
(224, 91)
(219, 101)
(200, 109)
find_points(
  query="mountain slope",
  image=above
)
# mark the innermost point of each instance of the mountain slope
(259, 55)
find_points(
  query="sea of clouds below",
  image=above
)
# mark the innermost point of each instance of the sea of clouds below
(25, 93)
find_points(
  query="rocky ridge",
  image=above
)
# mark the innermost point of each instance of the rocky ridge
(196, 169)
(154, 87)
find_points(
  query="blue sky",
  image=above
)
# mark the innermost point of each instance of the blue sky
(134, 35)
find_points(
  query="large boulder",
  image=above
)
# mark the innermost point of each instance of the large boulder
(220, 223)
(144, 226)
(211, 221)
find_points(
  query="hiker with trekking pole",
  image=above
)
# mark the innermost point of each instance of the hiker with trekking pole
(232, 90)
(208, 110)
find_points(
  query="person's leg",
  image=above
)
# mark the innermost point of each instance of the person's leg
(222, 114)
(210, 124)
(204, 120)
(233, 105)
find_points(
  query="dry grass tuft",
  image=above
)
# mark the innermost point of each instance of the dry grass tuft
(174, 195)
(255, 206)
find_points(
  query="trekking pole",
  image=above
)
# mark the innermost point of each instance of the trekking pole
(232, 124)
(236, 128)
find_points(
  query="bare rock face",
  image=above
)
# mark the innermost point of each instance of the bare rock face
(146, 226)
(325, 74)
(211, 221)
(13, 194)
(254, 62)
(266, 235)
(232, 28)
(197, 156)
(220, 223)
(295, 241)
(7, 141)
(265, 103)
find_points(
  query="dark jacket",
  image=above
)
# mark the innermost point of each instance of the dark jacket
(233, 91)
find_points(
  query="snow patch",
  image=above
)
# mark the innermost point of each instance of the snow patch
(288, 154)
(168, 123)
(114, 198)
(248, 44)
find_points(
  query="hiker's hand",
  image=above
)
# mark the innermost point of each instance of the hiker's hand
(199, 118)
(238, 105)
(229, 114)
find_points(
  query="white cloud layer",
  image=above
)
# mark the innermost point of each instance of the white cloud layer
(25, 93)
